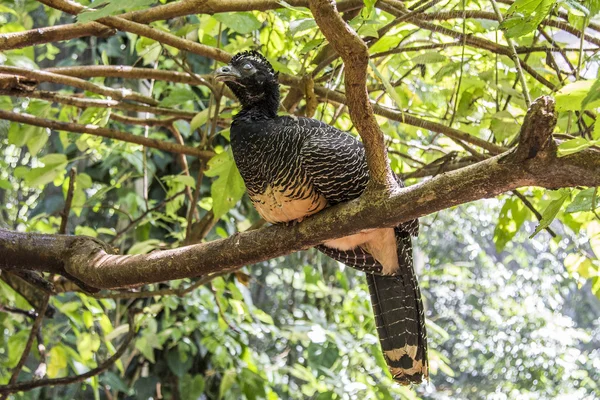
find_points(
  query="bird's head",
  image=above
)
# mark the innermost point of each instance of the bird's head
(252, 79)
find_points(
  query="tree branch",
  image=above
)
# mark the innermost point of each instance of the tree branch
(69, 200)
(532, 163)
(44, 76)
(355, 54)
(88, 102)
(37, 324)
(107, 133)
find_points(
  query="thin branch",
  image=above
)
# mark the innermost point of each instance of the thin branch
(44, 76)
(145, 214)
(28, 313)
(183, 161)
(535, 212)
(25, 386)
(515, 57)
(194, 202)
(144, 30)
(163, 292)
(409, 119)
(17, 40)
(127, 72)
(87, 102)
(37, 324)
(68, 202)
(105, 132)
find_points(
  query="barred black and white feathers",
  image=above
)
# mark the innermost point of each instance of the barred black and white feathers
(294, 167)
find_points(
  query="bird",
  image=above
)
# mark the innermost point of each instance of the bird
(294, 167)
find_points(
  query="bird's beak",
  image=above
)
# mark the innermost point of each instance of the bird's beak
(227, 74)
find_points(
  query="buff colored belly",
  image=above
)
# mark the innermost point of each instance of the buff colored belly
(275, 205)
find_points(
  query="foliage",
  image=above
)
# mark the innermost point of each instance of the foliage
(512, 311)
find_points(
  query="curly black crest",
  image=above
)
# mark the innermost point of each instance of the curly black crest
(252, 55)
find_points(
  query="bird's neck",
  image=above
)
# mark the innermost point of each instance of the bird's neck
(260, 107)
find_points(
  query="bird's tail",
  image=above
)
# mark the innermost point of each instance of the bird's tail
(400, 317)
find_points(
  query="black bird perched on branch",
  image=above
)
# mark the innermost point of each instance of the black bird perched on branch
(294, 167)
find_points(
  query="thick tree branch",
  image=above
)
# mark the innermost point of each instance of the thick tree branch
(105, 132)
(532, 163)
(355, 54)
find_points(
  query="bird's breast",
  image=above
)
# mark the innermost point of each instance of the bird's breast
(280, 204)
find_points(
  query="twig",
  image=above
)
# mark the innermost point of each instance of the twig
(25, 386)
(32, 336)
(87, 102)
(514, 56)
(145, 213)
(192, 209)
(221, 311)
(65, 213)
(164, 292)
(183, 161)
(40, 371)
(28, 313)
(533, 210)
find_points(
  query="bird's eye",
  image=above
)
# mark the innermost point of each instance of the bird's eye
(247, 66)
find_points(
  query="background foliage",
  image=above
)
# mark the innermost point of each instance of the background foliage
(512, 302)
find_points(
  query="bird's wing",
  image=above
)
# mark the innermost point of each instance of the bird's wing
(334, 161)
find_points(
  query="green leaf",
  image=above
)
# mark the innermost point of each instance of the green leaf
(575, 145)
(227, 382)
(385, 43)
(57, 365)
(54, 166)
(301, 25)
(504, 126)
(111, 7)
(177, 365)
(241, 22)
(115, 382)
(146, 345)
(144, 247)
(524, 16)
(199, 120)
(571, 97)
(183, 179)
(431, 57)
(583, 201)
(389, 89)
(191, 388)
(229, 187)
(552, 210)
(262, 316)
(511, 218)
(87, 345)
(178, 96)
(16, 345)
(592, 95)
